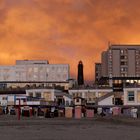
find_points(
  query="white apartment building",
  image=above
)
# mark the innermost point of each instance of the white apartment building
(34, 71)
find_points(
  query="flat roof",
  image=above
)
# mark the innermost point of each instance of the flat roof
(127, 46)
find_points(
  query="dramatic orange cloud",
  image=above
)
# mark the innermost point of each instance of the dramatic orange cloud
(66, 31)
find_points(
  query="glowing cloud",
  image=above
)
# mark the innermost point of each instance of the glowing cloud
(66, 31)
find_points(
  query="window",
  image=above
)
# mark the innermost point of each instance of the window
(137, 51)
(47, 96)
(123, 69)
(131, 96)
(30, 94)
(110, 57)
(137, 62)
(137, 56)
(124, 75)
(100, 94)
(78, 94)
(35, 69)
(38, 94)
(122, 51)
(122, 63)
(77, 100)
(89, 99)
(4, 98)
(122, 57)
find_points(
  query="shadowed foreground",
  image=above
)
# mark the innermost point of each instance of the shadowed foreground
(68, 129)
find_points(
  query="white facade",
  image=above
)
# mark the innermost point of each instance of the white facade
(29, 70)
(131, 96)
(49, 94)
(106, 101)
(89, 94)
(12, 100)
(3, 100)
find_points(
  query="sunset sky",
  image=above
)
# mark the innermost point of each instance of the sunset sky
(66, 31)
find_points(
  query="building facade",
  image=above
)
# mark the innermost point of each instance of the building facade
(91, 95)
(121, 61)
(132, 96)
(121, 65)
(32, 70)
(98, 70)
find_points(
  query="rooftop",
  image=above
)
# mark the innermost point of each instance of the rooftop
(125, 46)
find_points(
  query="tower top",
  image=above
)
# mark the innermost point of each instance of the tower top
(80, 62)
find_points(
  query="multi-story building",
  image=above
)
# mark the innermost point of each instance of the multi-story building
(121, 64)
(97, 72)
(34, 71)
(121, 61)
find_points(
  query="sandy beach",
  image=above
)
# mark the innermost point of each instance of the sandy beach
(69, 129)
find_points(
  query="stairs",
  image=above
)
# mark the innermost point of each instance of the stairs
(104, 97)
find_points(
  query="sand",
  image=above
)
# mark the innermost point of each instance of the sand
(68, 129)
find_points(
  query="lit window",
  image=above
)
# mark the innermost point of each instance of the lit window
(122, 51)
(137, 62)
